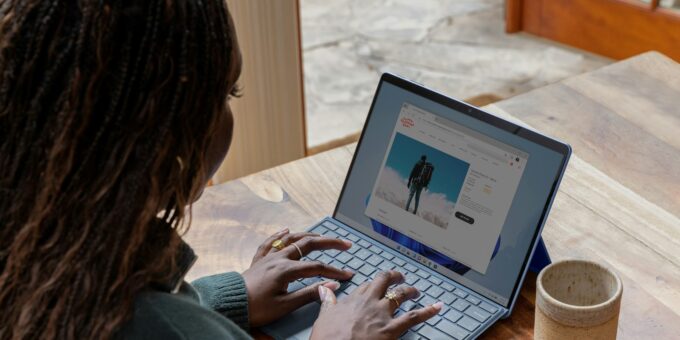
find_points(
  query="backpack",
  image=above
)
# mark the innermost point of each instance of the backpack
(424, 174)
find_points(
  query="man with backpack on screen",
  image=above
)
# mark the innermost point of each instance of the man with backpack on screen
(418, 180)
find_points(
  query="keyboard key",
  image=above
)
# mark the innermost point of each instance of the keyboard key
(325, 258)
(367, 270)
(426, 300)
(387, 255)
(409, 336)
(418, 326)
(411, 268)
(399, 262)
(355, 263)
(374, 260)
(364, 243)
(332, 252)
(453, 315)
(433, 320)
(330, 225)
(344, 257)
(314, 255)
(460, 305)
(311, 280)
(447, 286)
(422, 285)
(295, 285)
(385, 266)
(349, 289)
(403, 271)
(410, 279)
(447, 298)
(452, 329)
(337, 264)
(477, 313)
(409, 305)
(331, 234)
(468, 323)
(363, 254)
(460, 293)
(355, 248)
(342, 232)
(435, 291)
(473, 300)
(320, 230)
(431, 333)
(352, 237)
(358, 279)
(375, 249)
(435, 280)
(423, 273)
(488, 307)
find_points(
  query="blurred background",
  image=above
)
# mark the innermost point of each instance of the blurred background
(311, 66)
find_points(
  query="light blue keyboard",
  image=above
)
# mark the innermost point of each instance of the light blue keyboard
(463, 315)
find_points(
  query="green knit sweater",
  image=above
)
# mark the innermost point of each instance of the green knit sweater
(213, 307)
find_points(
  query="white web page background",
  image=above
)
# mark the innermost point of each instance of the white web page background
(481, 206)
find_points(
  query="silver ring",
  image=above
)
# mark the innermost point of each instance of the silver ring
(298, 249)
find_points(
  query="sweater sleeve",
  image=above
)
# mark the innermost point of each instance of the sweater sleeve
(226, 294)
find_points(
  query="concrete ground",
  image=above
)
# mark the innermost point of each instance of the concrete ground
(457, 47)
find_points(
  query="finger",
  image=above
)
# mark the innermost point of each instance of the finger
(327, 297)
(404, 322)
(306, 295)
(305, 269)
(266, 246)
(310, 244)
(383, 280)
(403, 293)
(294, 237)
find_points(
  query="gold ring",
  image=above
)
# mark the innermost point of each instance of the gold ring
(298, 249)
(278, 244)
(391, 295)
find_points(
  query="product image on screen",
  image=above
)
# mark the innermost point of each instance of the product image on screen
(445, 187)
(421, 180)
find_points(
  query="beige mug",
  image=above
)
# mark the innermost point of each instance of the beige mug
(577, 299)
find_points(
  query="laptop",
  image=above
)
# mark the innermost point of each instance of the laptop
(453, 197)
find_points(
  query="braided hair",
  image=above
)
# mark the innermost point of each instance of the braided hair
(107, 108)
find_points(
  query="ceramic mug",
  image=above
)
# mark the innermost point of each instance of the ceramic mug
(577, 299)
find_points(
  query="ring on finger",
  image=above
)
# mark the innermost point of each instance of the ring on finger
(278, 244)
(298, 249)
(392, 296)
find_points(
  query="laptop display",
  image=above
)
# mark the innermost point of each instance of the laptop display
(457, 190)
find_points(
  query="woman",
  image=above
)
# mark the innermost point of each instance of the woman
(113, 116)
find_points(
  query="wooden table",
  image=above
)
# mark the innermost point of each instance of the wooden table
(619, 202)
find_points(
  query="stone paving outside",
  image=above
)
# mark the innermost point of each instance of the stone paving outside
(457, 47)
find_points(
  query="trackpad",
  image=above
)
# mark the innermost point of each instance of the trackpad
(296, 325)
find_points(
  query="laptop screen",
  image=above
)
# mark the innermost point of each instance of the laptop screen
(456, 193)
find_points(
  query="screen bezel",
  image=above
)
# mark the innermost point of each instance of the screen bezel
(474, 112)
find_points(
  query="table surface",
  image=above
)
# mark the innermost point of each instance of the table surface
(619, 202)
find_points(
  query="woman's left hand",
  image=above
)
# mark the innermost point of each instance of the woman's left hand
(272, 270)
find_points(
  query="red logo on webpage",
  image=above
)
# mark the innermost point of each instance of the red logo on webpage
(407, 122)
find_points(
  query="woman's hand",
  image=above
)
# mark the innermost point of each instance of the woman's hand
(367, 314)
(272, 270)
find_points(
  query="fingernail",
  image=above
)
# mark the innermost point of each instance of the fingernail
(348, 243)
(332, 285)
(322, 293)
(284, 230)
(438, 305)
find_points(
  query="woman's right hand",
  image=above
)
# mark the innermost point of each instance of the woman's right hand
(367, 314)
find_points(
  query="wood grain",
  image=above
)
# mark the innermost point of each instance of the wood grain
(614, 28)
(269, 117)
(601, 212)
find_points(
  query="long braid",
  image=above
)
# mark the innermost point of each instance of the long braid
(97, 101)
